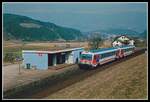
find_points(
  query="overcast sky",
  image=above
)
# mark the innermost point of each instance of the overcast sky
(85, 16)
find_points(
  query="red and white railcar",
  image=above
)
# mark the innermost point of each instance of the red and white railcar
(97, 57)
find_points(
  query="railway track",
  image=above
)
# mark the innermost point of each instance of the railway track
(70, 78)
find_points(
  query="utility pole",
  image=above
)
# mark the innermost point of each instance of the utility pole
(19, 68)
(20, 59)
(19, 62)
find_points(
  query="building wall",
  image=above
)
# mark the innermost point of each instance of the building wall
(76, 54)
(122, 38)
(116, 43)
(131, 42)
(69, 57)
(40, 61)
(73, 56)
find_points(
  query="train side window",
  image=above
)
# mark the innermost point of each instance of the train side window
(111, 53)
(103, 56)
(107, 54)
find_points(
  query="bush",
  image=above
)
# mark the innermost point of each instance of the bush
(10, 57)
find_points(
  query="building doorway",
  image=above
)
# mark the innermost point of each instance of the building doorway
(61, 58)
(50, 59)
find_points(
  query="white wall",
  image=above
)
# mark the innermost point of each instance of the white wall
(74, 55)
(34, 59)
(116, 43)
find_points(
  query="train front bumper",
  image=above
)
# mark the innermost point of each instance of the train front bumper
(81, 65)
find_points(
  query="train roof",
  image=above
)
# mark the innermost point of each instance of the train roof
(102, 49)
(109, 49)
(127, 46)
(52, 52)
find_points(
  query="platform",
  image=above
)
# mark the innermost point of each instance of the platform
(12, 78)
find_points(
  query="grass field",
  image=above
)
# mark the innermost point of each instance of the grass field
(126, 80)
(16, 47)
(9, 46)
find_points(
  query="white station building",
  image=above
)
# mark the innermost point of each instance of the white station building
(43, 59)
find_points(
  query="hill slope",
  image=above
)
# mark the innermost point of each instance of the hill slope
(25, 28)
(144, 34)
(113, 32)
(126, 80)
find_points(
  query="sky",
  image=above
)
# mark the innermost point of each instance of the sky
(85, 16)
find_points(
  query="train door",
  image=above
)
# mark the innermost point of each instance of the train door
(96, 59)
(119, 53)
(122, 53)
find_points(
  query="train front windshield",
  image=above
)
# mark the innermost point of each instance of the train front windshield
(86, 57)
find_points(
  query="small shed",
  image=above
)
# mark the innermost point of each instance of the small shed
(43, 59)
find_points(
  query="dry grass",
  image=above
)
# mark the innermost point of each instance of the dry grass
(106, 44)
(17, 46)
(15, 43)
(9, 46)
(14, 46)
(127, 80)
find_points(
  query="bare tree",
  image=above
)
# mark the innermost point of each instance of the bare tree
(94, 41)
